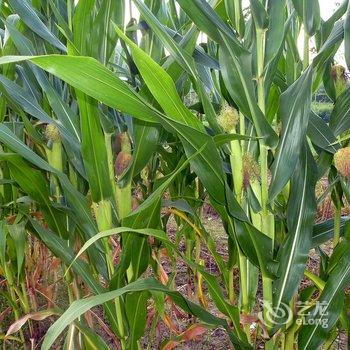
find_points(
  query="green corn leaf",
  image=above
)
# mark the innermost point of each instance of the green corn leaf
(103, 85)
(324, 231)
(183, 58)
(90, 77)
(312, 16)
(206, 19)
(225, 138)
(93, 148)
(32, 20)
(9, 49)
(67, 123)
(35, 185)
(274, 55)
(150, 41)
(118, 230)
(295, 107)
(347, 36)
(220, 302)
(314, 333)
(327, 26)
(161, 86)
(199, 55)
(77, 308)
(143, 81)
(3, 243)
(235, 13)
(257, 247)
(321, 134)
(341, 251)
(29, 105)
(235, 63)
(260, 16)
(301, 211)
(146, 138)
(309, 11)
(238, 78)
(74, 198)
(61, 21)
(83, 26)
(92, 341)
(136, 312)
(61, 109)
(330, 46)
(340, 117)
(190, 130)
(104, 35)
(275, 32)
(18, 234)
(25, 100)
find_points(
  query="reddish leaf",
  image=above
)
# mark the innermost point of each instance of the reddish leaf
(37, 316)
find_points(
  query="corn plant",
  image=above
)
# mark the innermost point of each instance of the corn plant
(112, 126)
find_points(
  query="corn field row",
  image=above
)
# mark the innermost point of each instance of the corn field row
(118, 135)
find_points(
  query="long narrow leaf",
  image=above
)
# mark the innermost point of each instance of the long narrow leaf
(300, 217)
(32, 20)
(295, 107)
